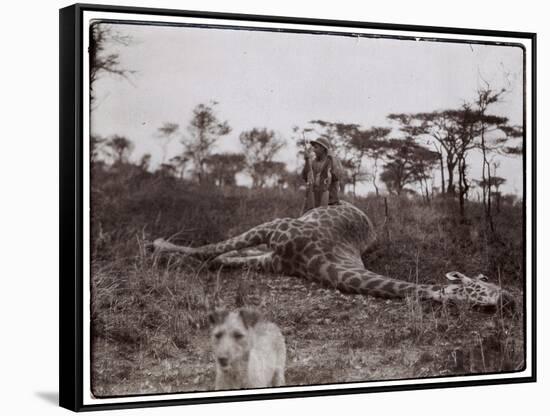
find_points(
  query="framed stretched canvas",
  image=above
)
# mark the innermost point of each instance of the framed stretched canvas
(256, 207)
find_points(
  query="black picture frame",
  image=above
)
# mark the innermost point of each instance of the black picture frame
(72, 216)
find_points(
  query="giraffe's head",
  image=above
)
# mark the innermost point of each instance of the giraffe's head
(478, 291)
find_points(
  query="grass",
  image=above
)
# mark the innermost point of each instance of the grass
(149, 315)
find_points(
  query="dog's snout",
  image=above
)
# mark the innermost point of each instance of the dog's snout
(223, 361)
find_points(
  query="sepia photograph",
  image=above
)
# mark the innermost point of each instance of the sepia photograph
(274, 206)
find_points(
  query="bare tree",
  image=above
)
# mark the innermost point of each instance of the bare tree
(102, 60)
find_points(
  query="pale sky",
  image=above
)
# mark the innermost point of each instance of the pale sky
(280, 80)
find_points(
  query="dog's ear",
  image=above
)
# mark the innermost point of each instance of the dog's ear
(250, 317)
(217, 317)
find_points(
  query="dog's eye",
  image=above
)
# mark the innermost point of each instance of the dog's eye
(238, 335)
(218, 335)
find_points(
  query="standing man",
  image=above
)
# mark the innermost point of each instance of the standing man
(322, 175)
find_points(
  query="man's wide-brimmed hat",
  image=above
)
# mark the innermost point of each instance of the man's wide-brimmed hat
(322, 141)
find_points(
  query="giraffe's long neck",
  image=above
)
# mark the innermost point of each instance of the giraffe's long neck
(364, 282)
(376, 285)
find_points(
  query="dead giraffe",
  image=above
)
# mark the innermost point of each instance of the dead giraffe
(325, 245)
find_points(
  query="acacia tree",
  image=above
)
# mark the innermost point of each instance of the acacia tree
(425, 161)
(223, 167)
(494, 135)
(494, 182)
(292, 180)
(144, 162)
(440, 128)
(465, 123)
(119, 148)
(371, 143)
(471, 127)
(166, 170)
(497, 182)
(359, 144)
(466, 128)
(96, 145)
(165, 134)
(510, 133)
(179, 162)
(204, 130)
(408, 162)
(260, 147)
(270, 172)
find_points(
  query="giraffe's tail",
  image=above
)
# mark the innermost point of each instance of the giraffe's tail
(160, 245)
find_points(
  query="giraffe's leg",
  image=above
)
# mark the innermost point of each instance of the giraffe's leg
(254, 237)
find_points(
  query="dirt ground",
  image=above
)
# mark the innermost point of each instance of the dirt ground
(330, 337)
